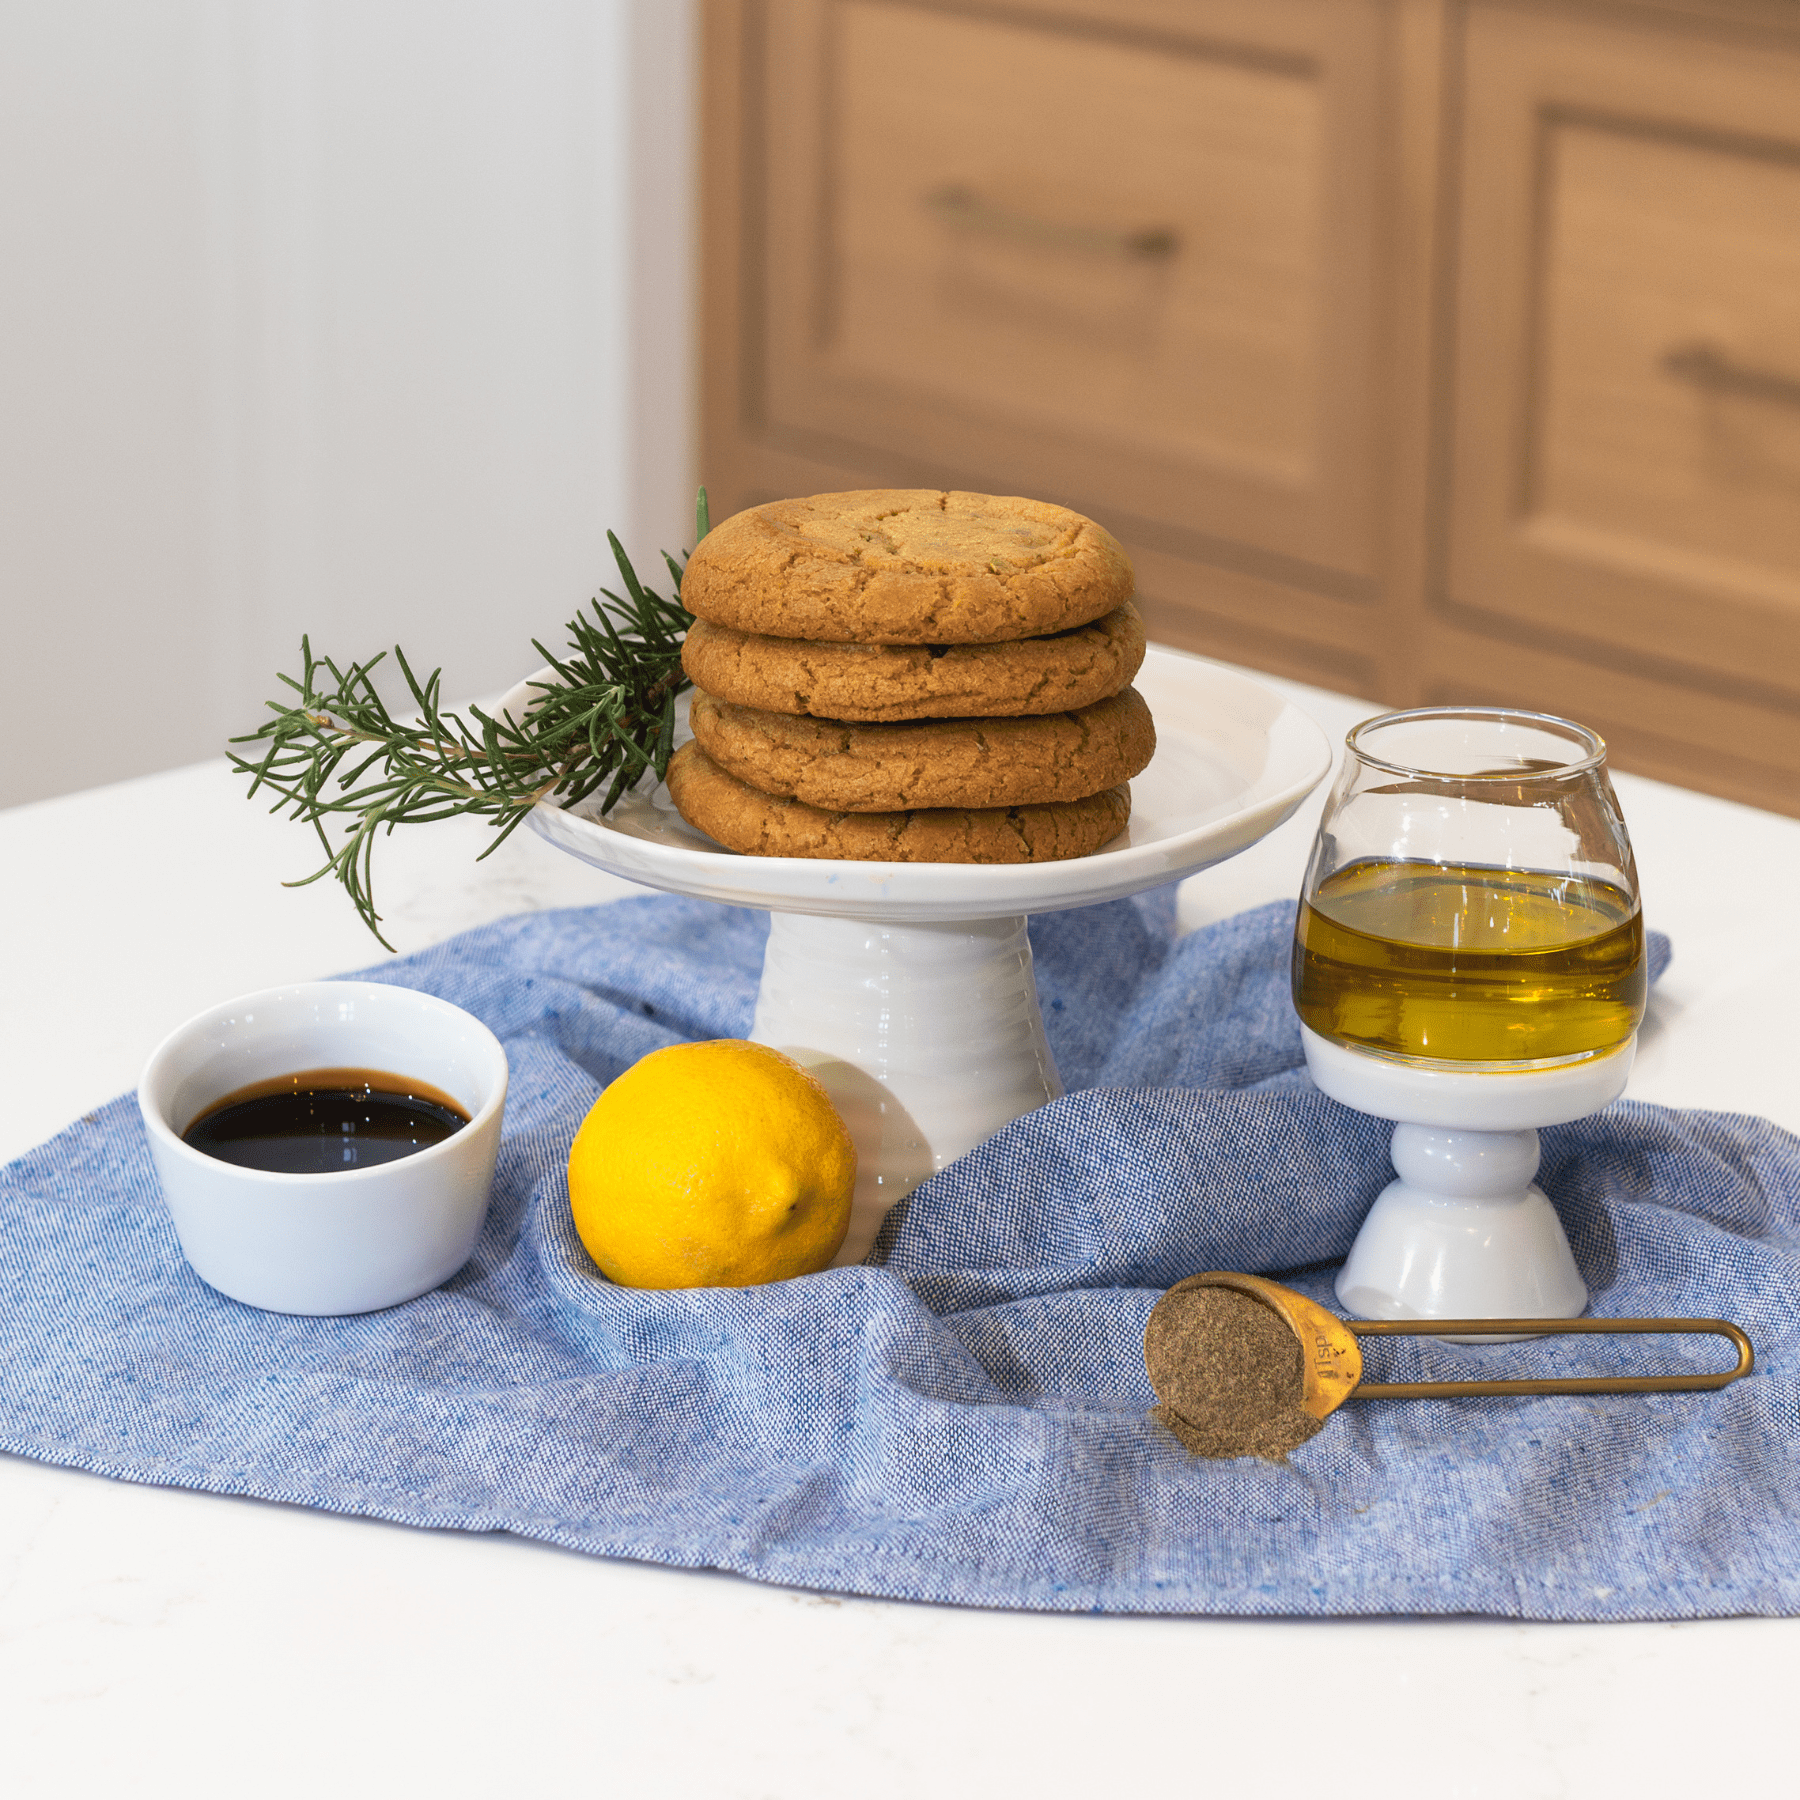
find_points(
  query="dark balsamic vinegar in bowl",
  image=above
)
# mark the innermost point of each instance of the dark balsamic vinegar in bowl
(325, 1121)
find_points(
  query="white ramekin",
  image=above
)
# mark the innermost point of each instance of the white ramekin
(346, 1242)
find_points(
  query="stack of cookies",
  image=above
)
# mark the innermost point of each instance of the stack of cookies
(905, 675)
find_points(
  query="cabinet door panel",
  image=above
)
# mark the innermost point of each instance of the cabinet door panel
(992, 249)
(1092, 256)
(1670, 422)
(1628, 397)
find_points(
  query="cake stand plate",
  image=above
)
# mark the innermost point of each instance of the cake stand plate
(907, 987)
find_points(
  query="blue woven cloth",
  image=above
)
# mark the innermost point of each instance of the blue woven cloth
(966, 1421)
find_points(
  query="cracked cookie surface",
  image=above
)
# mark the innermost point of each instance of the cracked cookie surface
(745, 819)
(867, 683)
(929, 762)
(906, 566)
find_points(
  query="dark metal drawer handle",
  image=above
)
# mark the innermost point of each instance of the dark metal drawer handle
(963, 209)
(1708, 367)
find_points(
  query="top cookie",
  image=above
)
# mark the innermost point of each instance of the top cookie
(906, 566)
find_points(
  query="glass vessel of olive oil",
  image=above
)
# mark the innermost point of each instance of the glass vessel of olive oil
(1469, 963)
(1472, 897)
(1464, 963)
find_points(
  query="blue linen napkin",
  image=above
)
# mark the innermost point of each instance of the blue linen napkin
(965, 1419)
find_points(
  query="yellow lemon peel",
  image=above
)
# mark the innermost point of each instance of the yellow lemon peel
(720, 1164)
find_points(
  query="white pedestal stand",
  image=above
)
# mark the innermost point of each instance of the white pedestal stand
(907, 987)
(1464, 1232)
(928, 1038)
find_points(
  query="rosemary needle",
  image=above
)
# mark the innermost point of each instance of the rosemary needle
(337, 752)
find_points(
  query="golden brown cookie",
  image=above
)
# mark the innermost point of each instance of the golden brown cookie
(906, 566)
(928, 762)
(885, 682)
(743, 818)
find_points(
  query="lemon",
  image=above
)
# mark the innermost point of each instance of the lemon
(720, 1164)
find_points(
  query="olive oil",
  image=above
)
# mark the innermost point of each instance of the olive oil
(1461, 963)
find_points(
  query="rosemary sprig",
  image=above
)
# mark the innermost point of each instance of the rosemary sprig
(337, 751)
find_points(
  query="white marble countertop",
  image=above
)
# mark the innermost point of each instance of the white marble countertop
(150, 1637)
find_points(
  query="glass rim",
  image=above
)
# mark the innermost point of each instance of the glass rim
(1594, 755)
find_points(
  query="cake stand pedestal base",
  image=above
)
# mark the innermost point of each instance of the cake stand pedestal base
(927, 1037)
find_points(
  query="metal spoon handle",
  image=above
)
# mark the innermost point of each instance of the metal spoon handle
(1608, 1384)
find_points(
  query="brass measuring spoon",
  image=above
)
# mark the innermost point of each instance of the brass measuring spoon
(1331, 1360)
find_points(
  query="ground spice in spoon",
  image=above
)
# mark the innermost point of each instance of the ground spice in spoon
(1227, 1371)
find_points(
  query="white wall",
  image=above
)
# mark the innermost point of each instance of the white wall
(359, 317)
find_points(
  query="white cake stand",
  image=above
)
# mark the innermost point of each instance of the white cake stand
(907, 987)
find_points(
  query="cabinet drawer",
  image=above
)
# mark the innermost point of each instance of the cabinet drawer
(1109, 261)
(1670, 415)
(1628, 396)
(1088, 237)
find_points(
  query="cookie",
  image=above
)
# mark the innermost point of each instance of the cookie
(906, 566)
(928, 762)
(885, 682)
(757, 824)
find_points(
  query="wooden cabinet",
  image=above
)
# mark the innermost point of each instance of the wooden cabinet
(1625, 485)
(1424, 350)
